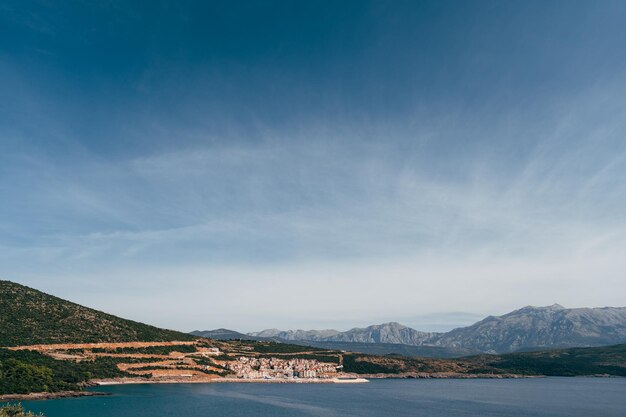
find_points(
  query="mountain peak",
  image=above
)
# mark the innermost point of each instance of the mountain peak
(553, 307)
(390, 325)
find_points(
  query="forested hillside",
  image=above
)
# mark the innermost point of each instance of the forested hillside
(29, 317)
(608, 360)
(23, 372)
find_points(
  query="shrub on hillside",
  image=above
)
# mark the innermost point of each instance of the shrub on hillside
(16, 410)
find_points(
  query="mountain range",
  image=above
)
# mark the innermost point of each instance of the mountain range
(529, 328)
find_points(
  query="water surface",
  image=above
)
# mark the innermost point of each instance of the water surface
(554, 397)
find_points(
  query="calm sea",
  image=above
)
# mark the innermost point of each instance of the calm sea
(554, 397)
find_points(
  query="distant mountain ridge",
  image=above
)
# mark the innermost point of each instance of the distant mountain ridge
(226, 334)
(528, 328)
(541, 327)
(381, 333)
(365, 347)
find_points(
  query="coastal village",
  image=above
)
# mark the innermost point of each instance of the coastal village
(201, 360)
(275, 368)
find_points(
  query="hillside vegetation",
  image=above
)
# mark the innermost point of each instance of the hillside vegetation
(608, 360)
(29, 317)
(16, 410)
(23, 372)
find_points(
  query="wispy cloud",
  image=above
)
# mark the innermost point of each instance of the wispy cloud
(276, 216)
(395, 175)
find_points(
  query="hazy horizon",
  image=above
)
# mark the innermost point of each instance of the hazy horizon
(245, 165)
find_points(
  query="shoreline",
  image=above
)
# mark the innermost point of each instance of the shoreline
(348, 379)
(448, 375)
(364, 378)
(40, 396)
(132, 381)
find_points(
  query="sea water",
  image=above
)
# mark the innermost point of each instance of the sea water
(553, 397)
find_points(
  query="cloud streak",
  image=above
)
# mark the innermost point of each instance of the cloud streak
(374, 180)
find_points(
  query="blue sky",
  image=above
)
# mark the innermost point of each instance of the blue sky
(314, 164)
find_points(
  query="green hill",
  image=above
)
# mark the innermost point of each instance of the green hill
(25, 371)
(605, 360)
(29, 317)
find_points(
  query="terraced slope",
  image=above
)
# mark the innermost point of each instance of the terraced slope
(29, 317)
